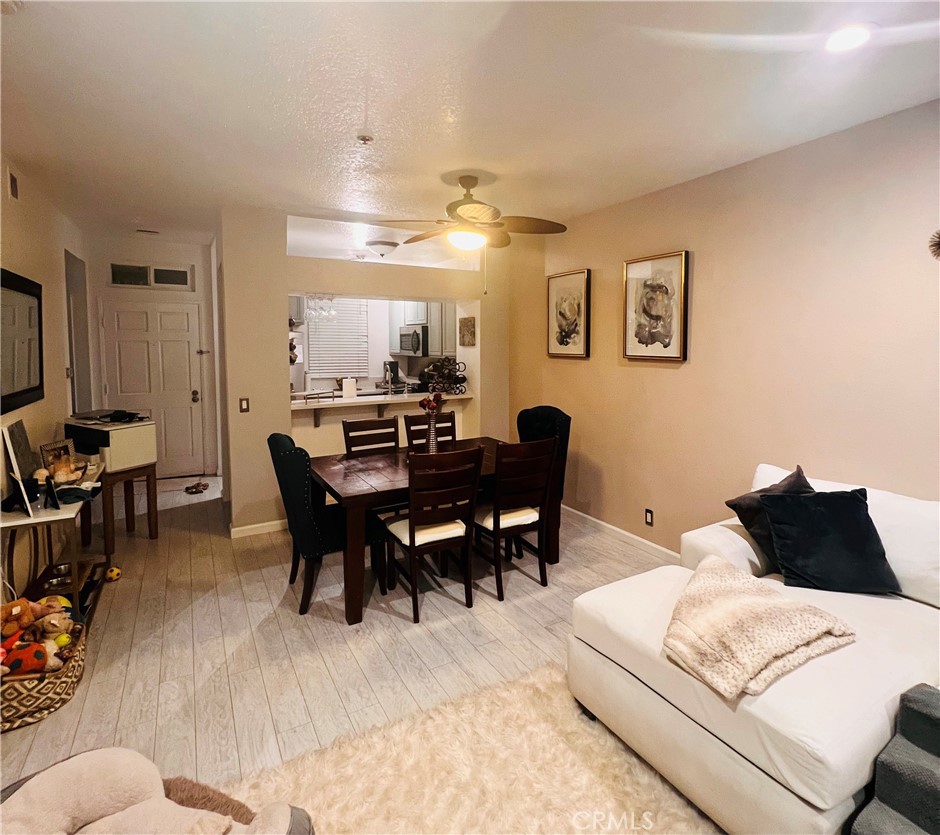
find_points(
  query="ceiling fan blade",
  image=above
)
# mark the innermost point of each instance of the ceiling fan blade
(531, 225)
(405, 224)
(433, 233)
(496, 238)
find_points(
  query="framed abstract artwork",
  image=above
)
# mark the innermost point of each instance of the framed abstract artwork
(569, 314)
(656, 307)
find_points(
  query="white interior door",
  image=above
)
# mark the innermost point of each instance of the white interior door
(152, 365)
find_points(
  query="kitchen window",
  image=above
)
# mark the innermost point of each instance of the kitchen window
(338, 338)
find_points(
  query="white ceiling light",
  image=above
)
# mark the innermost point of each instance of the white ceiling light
(381, 248)
(466, 240)
(848, 37)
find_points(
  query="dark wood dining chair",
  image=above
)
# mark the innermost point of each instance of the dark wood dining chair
(370, 436)
(442, 491)
(520, 501)
(416, 429)
(316, 529)
(536, 424)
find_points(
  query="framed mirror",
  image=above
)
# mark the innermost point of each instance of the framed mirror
(21, 375)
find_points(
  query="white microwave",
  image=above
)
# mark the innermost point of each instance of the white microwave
(413, 341)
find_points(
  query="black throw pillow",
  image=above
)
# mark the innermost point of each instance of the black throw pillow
(828, 541)
(751, 512)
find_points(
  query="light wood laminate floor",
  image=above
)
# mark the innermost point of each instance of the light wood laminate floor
(198, 658)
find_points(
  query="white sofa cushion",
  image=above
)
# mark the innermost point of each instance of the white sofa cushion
(818, 729)
(909, 529)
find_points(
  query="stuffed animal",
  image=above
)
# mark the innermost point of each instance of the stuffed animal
(45, 633)
(46, 606)
(29, 658)
(15, 616)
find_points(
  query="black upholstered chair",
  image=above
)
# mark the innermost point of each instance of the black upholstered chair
(315, 528)
(537, 424)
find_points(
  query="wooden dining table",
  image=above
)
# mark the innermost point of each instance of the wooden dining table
(368, 482)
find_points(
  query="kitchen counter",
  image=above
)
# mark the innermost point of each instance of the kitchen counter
(380, 401)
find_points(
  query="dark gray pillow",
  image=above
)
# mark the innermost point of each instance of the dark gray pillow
(828, 541)
(751, 512)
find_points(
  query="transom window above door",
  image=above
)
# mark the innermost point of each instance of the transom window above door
(151, 275)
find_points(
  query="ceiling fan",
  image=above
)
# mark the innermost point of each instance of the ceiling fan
(471, 223)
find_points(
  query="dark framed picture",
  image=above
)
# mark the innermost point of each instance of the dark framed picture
(656, 307)
(569, 314)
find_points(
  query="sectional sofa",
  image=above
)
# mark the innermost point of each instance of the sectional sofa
(796, 758)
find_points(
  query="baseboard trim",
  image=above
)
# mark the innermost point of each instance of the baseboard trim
(650, 548)
(261, 527)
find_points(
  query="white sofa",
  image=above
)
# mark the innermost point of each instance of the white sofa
(796, 758)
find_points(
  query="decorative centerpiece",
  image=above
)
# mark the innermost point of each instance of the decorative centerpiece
(432, 406)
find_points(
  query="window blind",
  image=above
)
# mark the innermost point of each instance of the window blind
(339, 347)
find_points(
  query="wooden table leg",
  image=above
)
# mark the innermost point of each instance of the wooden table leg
(107, 509)
(152, 502)
(553, 531)
(85, 517)
(130, 521)
(354, 560)
(50, 550)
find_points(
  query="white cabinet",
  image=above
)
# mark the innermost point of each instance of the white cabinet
(449, 330)
(396, 321)
(434, 329)
(416, 313)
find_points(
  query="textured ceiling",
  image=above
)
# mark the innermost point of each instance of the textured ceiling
(155, 114)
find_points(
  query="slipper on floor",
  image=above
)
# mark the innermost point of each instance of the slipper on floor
(193, 489)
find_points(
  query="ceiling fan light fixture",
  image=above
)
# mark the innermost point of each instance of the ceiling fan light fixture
(466, 239)
(381, 248)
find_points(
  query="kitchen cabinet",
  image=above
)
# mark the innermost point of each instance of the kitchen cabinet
(416, 313)
(396, 321)
(434, 329)
(449, 330)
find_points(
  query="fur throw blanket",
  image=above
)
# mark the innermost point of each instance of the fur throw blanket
(739, 635)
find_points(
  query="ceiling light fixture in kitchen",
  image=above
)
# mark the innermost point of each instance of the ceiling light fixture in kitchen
(381, 248)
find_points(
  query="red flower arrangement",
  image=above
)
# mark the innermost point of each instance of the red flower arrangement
(433, 403)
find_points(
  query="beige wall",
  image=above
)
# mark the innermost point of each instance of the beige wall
(258, 276)
(813, 334)
(102, 252)
(34, 238)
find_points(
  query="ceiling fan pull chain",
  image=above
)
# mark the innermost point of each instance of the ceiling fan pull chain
(485, 247)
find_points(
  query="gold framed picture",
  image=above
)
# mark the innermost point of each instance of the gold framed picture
(656, 307)
(569, 314)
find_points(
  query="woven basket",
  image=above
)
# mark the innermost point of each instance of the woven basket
(29, 698)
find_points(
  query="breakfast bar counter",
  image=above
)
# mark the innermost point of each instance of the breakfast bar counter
(380, 401)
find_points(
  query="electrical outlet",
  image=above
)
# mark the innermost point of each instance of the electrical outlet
(649, 517)
(243, 404)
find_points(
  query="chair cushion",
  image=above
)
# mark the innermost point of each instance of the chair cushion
(507, 519)
(425, 534)
(816, 730)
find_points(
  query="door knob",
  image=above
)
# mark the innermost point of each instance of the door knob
(195, 395)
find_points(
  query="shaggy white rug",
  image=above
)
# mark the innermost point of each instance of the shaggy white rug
(519, 757)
